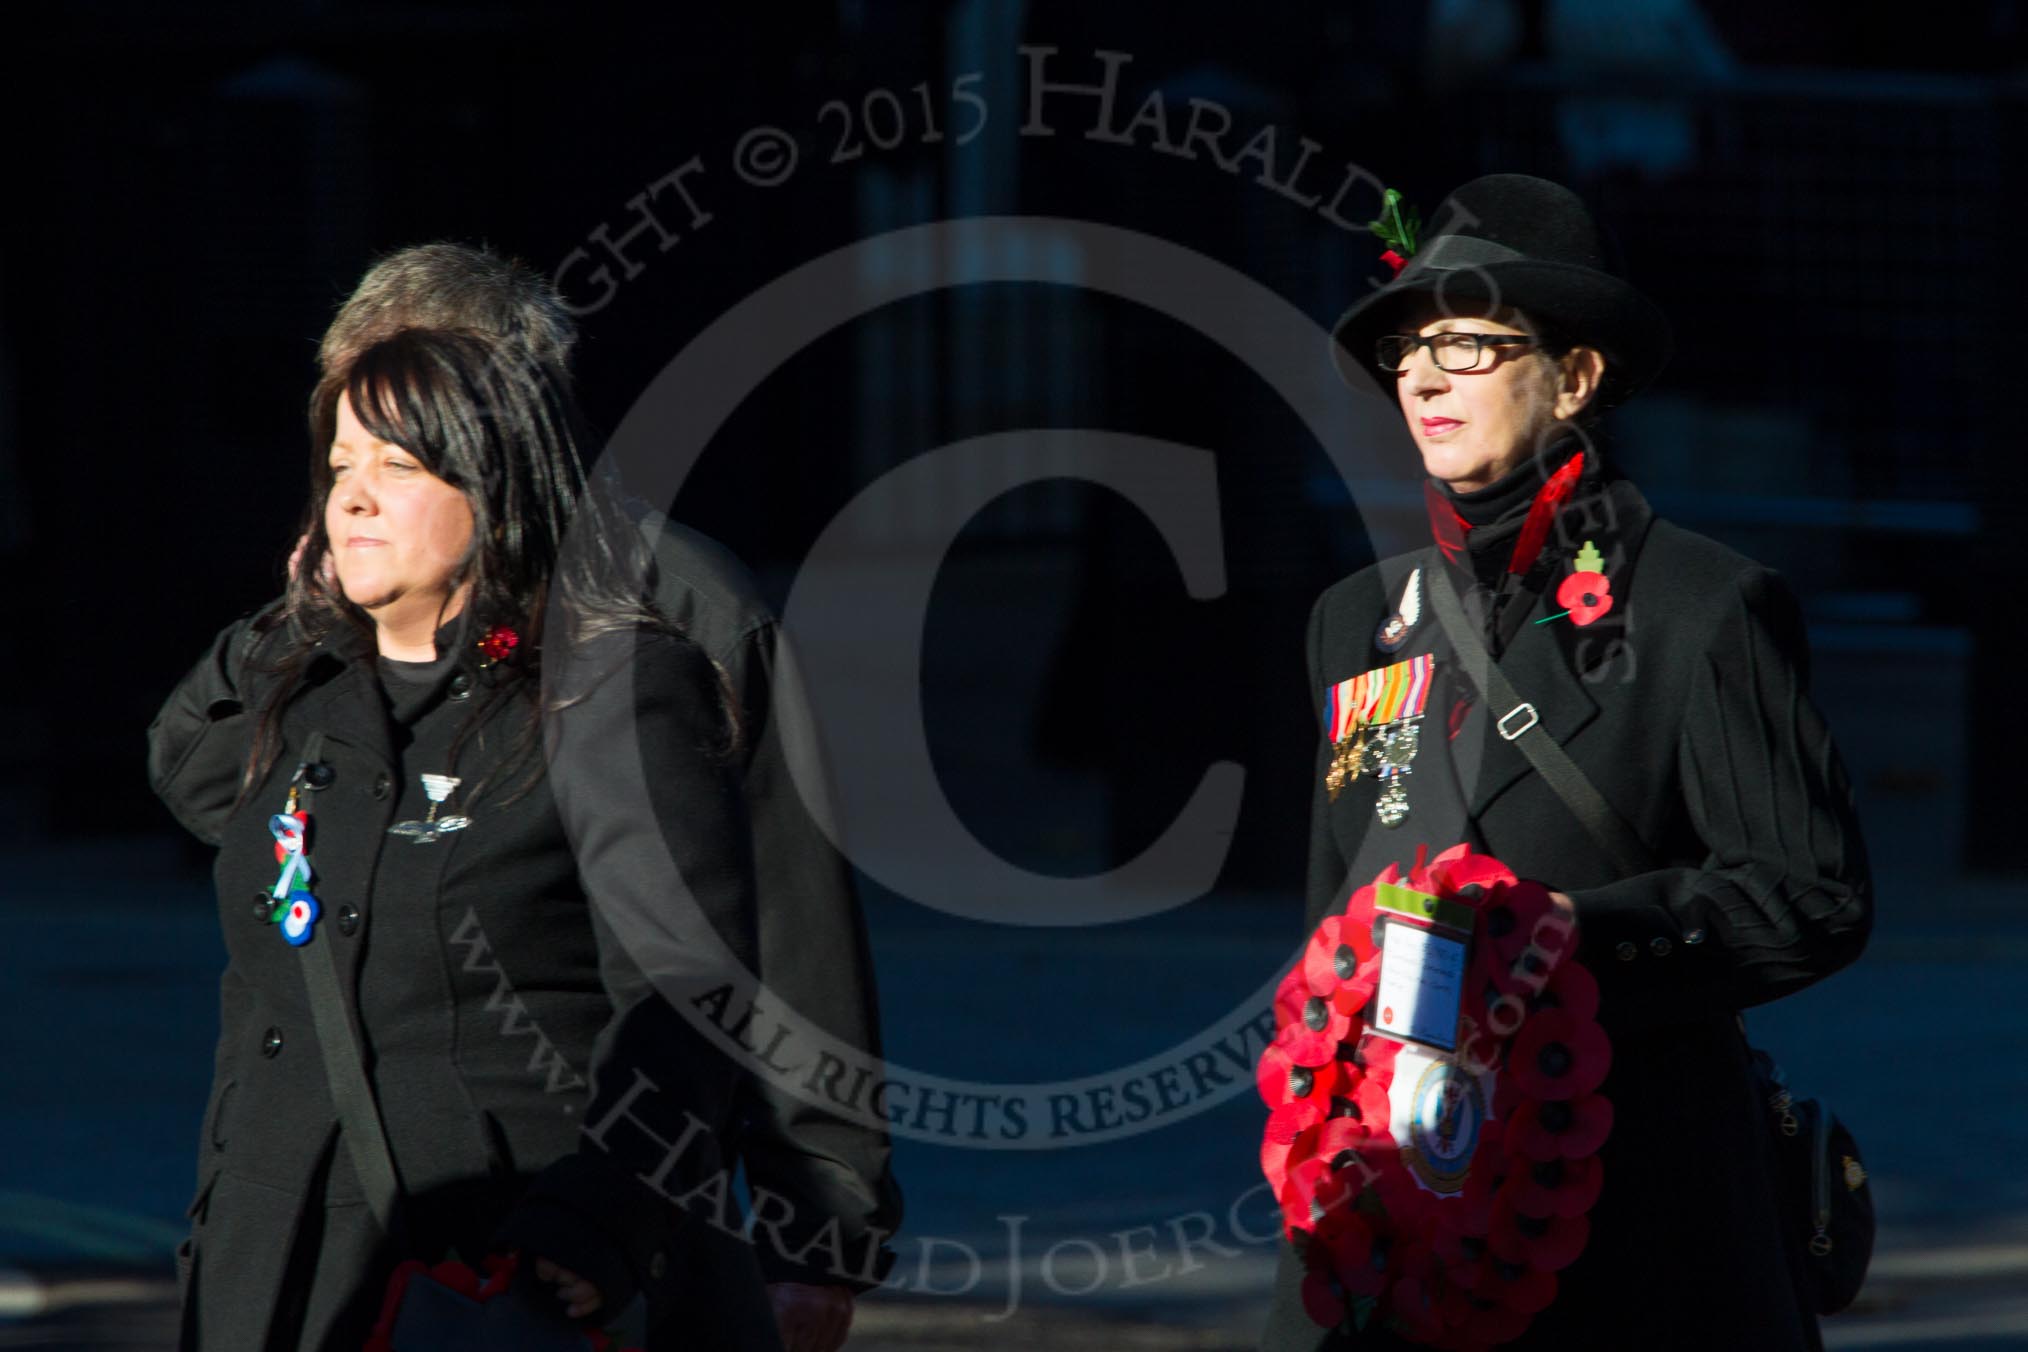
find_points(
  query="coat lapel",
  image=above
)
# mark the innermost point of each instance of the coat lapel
(1548, 663)
(345, 703)
(1540, 671)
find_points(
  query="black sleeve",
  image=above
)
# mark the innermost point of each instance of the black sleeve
(1325, 891)
(1783, 896)
(818, 1168)
(197, 744)
(649, 797)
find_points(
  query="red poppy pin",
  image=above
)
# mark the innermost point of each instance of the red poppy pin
(498, 642)
(1587, 593)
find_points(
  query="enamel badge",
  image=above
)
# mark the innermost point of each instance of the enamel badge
(1394, 630)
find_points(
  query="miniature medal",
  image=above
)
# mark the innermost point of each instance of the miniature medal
(1375, 719)
(1348, 708)
(431, 827)
(1394, 630)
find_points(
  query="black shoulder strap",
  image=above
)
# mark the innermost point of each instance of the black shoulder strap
(344, 1067)
(1518, 722)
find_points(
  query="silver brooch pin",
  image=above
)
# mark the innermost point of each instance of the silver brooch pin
(426, 831)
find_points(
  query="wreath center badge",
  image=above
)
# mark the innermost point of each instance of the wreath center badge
(1434, 1120)
(1375, 720)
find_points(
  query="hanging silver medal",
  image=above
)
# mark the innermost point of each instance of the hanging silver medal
(426, 831)
(1375, 720)
(1393, 753)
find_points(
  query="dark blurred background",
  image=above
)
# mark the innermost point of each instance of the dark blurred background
(1817, 194)
(1820, 195)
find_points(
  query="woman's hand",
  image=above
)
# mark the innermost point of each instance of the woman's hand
(1566, 909)
(811, 1318)
(580, 1296)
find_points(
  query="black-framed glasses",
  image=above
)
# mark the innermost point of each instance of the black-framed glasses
(1450, 351)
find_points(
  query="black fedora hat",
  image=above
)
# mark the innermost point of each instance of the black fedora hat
(1517, 240)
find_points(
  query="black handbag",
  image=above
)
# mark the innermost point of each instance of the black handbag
(1825, 1201)
(1825, 1195)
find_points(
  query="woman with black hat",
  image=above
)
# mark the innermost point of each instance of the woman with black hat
(1705, 847)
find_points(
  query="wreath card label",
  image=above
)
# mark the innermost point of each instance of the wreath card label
(1422, 965)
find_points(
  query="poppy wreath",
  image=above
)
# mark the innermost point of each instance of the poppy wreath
(1470, 1268)
(476, 1287)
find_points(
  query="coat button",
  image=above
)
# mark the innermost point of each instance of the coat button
(382, 786)
(658, 1267)
(348, 919)
(1626, 950)
(271, 1044)
(1659, 946)
(1695, 936)
(461, 685)
(263, 906)
(318, 775)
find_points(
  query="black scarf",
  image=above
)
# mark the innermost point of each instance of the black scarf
(1496, 514)
(1497, 511)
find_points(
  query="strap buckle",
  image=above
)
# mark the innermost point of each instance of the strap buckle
(1515, 712)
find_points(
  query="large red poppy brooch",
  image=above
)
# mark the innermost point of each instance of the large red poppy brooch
(1587, 593)
(1437, 1190)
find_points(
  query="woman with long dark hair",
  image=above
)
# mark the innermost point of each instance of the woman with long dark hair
(487, 829)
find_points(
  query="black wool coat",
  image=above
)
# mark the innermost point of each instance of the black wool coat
(498, 1009)
(830, 1174)
(1687, 705)
(833, 1193)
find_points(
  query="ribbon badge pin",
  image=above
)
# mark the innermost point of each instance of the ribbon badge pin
(295, 908)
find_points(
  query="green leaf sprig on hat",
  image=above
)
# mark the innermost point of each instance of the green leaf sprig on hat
(1397, 230)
